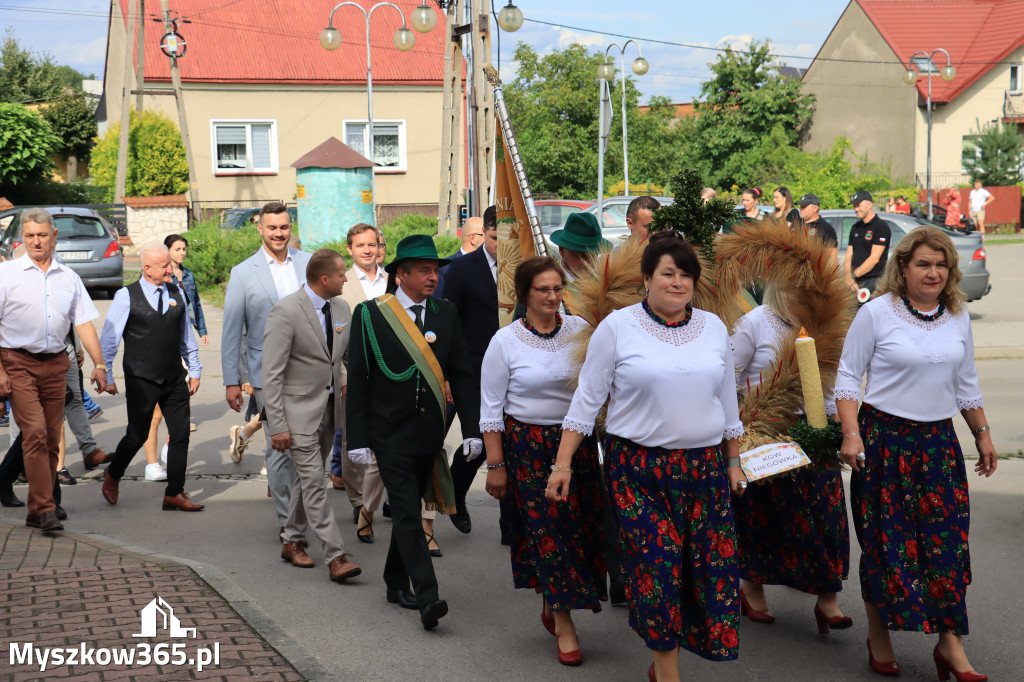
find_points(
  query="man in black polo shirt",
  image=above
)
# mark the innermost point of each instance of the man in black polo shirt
(817, 226)
(868, 246)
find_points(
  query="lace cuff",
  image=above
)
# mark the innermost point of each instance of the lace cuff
(491, 425)
(847, 394)
(830, 408)
(973, 404)
(732, 432)
(569, 424)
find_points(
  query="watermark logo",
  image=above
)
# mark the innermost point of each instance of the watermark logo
(151, 615)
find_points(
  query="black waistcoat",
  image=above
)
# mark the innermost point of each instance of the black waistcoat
(152, 342)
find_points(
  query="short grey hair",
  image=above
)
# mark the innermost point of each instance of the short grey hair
(153, 248)
(39, 216)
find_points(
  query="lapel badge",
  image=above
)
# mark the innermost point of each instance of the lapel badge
(431, 337)
(172, 302)
(337, 327)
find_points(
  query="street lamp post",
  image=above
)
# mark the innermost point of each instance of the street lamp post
(910, 76)
(404, 39)
(605, 72)
(640, 67)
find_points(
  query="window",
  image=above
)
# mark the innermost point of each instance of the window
(388, 143)
(244, 147)
(1015, 75)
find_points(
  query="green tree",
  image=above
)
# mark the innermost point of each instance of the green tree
(25, 76)
(992, 154)
(156, 157)
(747, 110)
(71, 116)
(71, 77)
(26, 145)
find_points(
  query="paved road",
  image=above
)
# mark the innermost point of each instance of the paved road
(493, 631)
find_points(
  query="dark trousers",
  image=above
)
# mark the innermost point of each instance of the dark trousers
(13, 464)
(141, 397)
(406, 478)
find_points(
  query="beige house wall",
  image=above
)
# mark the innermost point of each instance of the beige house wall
(982, 103)
(867, 103)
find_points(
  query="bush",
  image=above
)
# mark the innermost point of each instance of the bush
(51, 193)
(156, 157)
(212, 252)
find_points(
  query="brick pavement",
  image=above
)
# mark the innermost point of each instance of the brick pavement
(68, 590)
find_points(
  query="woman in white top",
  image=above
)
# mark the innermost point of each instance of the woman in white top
(909, 486)
(673, 427)
(792, 527)
(525, 392)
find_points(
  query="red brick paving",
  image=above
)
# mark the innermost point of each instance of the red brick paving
(62, 590)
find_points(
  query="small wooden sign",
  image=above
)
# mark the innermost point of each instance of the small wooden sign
(367, 196)
(774, 458)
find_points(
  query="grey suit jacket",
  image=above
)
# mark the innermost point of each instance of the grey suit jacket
(298, 372)
(249, 296)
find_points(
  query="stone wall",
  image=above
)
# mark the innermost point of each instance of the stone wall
(151, 219)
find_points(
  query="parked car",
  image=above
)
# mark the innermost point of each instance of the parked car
(557, 211)
(236, 218)
(919, 209)
(86, 243)
(975, 283)
(614, 209)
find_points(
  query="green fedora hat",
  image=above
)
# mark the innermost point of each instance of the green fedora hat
(415, 246)
(581, 233)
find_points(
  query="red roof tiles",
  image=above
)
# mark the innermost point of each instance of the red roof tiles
(978, 34)
(278, 41)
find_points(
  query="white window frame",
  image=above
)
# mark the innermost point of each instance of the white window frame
(249, 169)
(1020, 77)
(403, 150)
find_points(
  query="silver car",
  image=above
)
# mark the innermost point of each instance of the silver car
(614, 209)
(975, 283)
(85, 242)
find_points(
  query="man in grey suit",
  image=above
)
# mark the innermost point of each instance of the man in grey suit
(255, 285)
(303, 374)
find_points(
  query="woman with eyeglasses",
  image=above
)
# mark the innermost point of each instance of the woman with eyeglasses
(671, 458)
(526, 387)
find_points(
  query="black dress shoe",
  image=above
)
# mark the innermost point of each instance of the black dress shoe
(385, 510)
(462, 522)
(433, 612)
(61, 514)
(617, 592)
(9, 499)
(404, 598)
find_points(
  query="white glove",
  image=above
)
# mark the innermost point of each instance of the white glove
(363, 456)
(472, 448)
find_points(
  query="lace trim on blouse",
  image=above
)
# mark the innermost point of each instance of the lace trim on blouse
(848, 394)
(569, 424)
(830, 408)
(732, 432)
(780, 326)
(491, 425)
(676, 336)
(935, 347)
(970, 404)
(559, 345)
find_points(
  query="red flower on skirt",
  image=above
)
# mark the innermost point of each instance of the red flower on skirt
(730, 638)
(936, 589)
(726, 548)
(547, 545)
(698, 509)
(912, 549)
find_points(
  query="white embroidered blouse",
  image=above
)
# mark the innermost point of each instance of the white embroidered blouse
(527, 377)
(671, 387)
(915, 369)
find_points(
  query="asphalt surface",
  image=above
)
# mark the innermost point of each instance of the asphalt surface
(493, 631)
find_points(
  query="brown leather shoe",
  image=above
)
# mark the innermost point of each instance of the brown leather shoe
(295, 554)
(338, 482)
(110, 488)
(48, 521)
(181, 503)
(342, 568)
(95, 458)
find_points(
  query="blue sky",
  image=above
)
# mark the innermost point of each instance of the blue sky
(74, 32)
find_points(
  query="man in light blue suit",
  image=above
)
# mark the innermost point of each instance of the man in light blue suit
(255, 285)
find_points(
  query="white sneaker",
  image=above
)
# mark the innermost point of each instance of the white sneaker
(263, 471)
(163, 456)
(155, 472)
(238, 445)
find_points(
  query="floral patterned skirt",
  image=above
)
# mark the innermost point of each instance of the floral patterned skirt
(911, 515)
(678, 546)
(792, 531)
(557, 548)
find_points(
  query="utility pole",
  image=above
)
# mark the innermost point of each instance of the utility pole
(483, 105)
(451, 121)
(122, 147)
(140, 57)
(170, 26)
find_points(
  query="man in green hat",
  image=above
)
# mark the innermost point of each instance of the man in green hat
(403, 348)
(578, 242)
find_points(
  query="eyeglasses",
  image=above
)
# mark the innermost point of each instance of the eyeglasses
(547, 291)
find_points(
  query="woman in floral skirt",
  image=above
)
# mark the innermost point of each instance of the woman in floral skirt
(909, 486)
(671, 458)
(525, 392)
(792, 527)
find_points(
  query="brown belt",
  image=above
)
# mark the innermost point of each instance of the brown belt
(41, 357)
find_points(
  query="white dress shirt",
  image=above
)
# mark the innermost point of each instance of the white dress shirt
(916, 370)
(285, 280)
(527, 377)
(408, 303)
(492, 262)
(372, 288)
(37, 309)
(671, 387)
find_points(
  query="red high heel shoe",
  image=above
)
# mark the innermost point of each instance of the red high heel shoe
(834, 622)
(890, 669)
(651, 675)
(944, 668)
(753, 614)
(570, 657)
(549, 621)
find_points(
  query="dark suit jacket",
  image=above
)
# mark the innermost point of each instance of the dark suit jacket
(439, 290)
(384, 415)
(470, 286)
